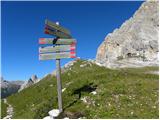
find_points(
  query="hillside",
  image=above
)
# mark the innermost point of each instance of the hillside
(92, 92)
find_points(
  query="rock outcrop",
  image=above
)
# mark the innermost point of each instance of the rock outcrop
(34, 79)
(135, 43)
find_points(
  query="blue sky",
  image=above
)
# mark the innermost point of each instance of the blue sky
(22, 24)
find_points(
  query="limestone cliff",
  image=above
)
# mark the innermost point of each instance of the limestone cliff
(135, 43)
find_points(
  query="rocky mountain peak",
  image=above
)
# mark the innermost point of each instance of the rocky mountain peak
(34, 79)
(135, 43)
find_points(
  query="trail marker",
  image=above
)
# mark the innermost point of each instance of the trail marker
(63, 46)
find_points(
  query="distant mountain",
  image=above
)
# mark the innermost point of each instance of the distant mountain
(9, 87)
(135, 43)
(34, 79)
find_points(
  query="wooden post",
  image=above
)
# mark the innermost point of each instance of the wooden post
(59, 83)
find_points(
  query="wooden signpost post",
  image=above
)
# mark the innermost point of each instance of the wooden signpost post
(63, 46)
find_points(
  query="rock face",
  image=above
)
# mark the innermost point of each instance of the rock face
(135, 43)
(34, 79)
(9, 87)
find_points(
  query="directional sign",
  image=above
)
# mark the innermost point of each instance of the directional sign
(56, 41)
(63, 46)
(50, 56)
(60, 48)
(56, 33)
(54, 26)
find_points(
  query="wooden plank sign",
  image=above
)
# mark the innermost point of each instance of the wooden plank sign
(54, 26)
(59, 41)
(56, 33)
(60, 48)
(50, 56)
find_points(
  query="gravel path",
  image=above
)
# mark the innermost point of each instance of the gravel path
(9, 110)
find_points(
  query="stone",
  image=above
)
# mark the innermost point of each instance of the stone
(66, 118)
(54, 113)
(94, 92)
(47, 117)
(135, 43)
(63, 89)
(83, 65)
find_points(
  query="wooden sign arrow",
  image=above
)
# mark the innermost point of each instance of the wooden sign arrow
(56, 33)
(54, 26)
(59, 41)
(50, 56)
(60, 48)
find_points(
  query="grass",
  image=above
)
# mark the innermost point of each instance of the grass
(121, 93)
(3, 109)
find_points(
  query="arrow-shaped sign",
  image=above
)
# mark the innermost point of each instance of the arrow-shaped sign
(54, 26)
(50, 56)
(60, 48)
(56, 33)
(59, 41)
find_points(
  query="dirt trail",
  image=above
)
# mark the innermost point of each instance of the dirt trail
(9, 110)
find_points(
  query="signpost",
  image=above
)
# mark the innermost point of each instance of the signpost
(63, 46)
